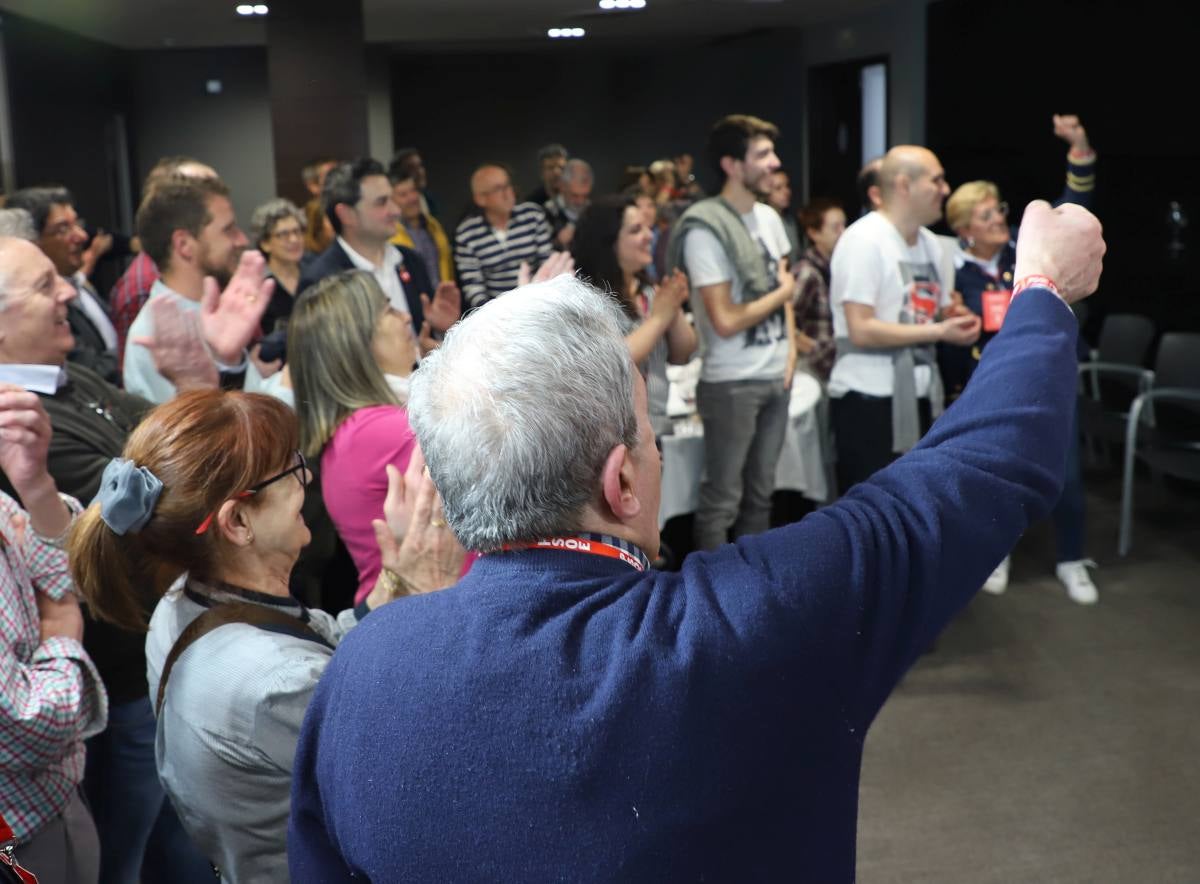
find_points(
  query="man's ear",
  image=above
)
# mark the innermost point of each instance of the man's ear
(183, 244)
(345, 214)
(617, 482)
(729, 166)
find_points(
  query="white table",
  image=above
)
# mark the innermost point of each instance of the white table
(801, 465)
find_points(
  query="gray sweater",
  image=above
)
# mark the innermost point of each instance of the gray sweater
(229, 724)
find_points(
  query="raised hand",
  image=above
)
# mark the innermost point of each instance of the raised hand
(425, 339)
(230, 318)
(24, 436)
(414, 540)
(24, 442)
(177, 347)
(1069, 129)
(446, 307)
(1066, 244)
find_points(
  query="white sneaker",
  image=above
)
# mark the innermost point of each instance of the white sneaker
(998, 582)
(1074, 576)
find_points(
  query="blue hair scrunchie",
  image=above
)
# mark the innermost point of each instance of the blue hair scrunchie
(127, 496)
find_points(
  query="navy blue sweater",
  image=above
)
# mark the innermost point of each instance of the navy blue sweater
(558, 716)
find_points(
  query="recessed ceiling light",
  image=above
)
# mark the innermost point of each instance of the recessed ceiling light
(261, 9)
(555, 33)
(577, 32)
(245, 9)
(608, 4)
(637, 4)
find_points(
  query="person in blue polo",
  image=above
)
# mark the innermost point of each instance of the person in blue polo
(565, 712)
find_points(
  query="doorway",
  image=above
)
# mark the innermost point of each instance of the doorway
(847, 126)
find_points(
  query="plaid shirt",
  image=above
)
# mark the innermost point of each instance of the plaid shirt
(51, 697)
(813, 316)
(128, 296)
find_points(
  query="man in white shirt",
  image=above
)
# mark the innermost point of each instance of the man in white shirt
(188, 228)
(734, 249)
(891, 294)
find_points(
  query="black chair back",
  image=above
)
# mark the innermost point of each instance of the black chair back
(1178, 365)
(1125, 340)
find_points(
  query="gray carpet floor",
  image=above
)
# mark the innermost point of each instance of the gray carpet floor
(1045, 741)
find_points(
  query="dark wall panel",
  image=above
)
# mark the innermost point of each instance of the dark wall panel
(1128, 76)
(610, 107)
(64, 92)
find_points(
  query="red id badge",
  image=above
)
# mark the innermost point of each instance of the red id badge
(995, 308)
(924, 298)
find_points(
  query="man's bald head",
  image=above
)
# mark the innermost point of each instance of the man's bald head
(908, 160)
(912, 184)
(492, 190)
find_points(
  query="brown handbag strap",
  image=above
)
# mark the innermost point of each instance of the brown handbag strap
(222, 615)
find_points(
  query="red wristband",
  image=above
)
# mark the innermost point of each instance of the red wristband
(1035, 281)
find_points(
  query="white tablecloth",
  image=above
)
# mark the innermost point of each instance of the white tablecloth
(801, 466)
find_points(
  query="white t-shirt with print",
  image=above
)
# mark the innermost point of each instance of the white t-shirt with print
(873, 265)
(758, 353)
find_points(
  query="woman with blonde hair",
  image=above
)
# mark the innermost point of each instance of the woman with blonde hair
(203, 513)
(351, 354)
(983, 275)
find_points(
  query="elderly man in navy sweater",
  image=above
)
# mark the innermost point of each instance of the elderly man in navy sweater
(565, 712)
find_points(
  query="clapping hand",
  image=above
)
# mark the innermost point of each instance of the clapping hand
(230, 318)
(24, 437)
(177, 347)
(670, 295)
(446, 307)
(414, 540)
(556, 265)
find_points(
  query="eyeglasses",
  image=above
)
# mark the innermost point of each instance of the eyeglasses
(63, 229)
(289, 233)
(987, 215)
(299, 469)
(499, 188)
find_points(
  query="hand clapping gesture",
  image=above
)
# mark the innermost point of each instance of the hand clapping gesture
(230, 318)
(414, 540)
(445, 308)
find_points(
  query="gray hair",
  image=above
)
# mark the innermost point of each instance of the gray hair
(518, 410)
(9, 219)
(270, 213)
(18, 223)
(577, 170)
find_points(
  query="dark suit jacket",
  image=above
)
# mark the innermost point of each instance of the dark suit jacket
(335, 260)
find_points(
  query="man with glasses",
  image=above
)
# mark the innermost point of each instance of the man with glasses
(60, 235)
(890, 292)
(491, 244)
(91, 422)
(357, 199)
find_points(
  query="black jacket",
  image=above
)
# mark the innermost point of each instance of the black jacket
(335, 260)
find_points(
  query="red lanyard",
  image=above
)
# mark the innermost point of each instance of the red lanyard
(580, 545)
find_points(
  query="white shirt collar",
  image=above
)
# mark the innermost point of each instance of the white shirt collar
(44, 379)
(391, 257)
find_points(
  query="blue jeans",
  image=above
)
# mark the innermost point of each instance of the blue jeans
(133, 816)
(1068, 515)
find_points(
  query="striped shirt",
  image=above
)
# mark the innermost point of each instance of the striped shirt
(487, 263)
(51, 697)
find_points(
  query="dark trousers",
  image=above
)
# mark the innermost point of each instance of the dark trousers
(862, 429)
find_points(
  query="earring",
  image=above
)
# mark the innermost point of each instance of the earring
(249, 537)
(970, 242)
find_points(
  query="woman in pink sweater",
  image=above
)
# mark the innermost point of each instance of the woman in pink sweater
(354, 354)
